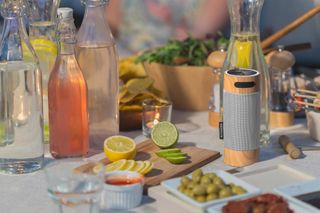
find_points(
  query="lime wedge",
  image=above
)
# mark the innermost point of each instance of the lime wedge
(162, 153)
(170, 155)
(164, 134)
(176, 160)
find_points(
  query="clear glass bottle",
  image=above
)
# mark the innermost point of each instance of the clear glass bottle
(245, 52)
(97, 55)
(67, 93)
(21, 130)
(42, 17)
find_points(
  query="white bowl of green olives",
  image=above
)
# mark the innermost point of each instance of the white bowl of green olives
(204, 190)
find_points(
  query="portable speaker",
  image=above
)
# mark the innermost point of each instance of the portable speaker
(241, 117)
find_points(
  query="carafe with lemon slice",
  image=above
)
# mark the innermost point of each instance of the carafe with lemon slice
(42, 15)
(245, 52)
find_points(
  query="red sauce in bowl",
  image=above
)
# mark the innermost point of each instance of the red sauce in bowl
(122, 180)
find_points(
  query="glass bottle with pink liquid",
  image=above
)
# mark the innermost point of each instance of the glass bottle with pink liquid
(97, 56)
(67, 93)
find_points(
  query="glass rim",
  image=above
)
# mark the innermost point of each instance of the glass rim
(149, 102)
(49, 167)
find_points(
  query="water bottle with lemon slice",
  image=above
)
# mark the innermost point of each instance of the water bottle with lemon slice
(245, 52)
(42, 32)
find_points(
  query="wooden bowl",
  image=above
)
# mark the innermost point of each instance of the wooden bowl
(130, 120)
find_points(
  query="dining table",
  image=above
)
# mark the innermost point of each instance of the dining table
(27, 193)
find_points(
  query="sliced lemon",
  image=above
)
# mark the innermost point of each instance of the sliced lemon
(138, 166)
(147, 167)
(118, 165)
(243, 49)
(119, 147)
(129, 165)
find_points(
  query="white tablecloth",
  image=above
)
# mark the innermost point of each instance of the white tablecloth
(27, 193)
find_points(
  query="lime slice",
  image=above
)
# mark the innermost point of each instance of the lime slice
(162, 153)
(118, 165)
(181, 154)
(46, 132)
(148, 167)
(176, 160)
(129, 165)
(165, 134)
(138, 166)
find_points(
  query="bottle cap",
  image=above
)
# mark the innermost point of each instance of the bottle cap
(65, 12)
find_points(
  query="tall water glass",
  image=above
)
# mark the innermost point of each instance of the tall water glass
(42, 15)
(75, 185)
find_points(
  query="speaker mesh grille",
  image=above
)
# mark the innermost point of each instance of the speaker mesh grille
(241, 121)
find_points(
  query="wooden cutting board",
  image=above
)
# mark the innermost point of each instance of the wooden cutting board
(162, 169)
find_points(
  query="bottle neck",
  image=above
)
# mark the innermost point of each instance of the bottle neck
(66, 36)
(15, 44)
(245, 16)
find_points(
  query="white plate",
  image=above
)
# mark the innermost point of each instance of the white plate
(172, 186)
(290, 191)
(269, 177)
(292, 204)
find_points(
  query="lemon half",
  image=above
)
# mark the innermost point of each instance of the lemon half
(119, 147)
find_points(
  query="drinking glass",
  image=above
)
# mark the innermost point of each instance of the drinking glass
(154, 112)
(75, 185)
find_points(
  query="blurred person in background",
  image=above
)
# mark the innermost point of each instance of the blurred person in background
(141, 24)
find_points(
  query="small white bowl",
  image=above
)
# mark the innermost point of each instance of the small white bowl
(126, 196)
(313, 122)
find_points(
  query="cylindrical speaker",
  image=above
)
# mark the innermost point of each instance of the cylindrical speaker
(241, 117)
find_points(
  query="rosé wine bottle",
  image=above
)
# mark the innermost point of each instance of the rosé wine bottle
(67, 93)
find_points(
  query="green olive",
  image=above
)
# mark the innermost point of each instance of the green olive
(181, 188)
(212, 188)
(212, 196)
(238, 190)
(191, 185)
(205, 180)
(189, 193)
(211, 175)
(225, 192)
(218, 181)
(197, 172)
(196, 179)
(185, 180)
(201, 198)
(199, 190)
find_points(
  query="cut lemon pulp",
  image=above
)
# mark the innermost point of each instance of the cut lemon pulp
(118, 165)
(119, 147)
(138, 166)
(129, 165)
(147, 167)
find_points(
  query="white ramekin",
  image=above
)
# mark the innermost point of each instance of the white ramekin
(313, 122)
(122, 196)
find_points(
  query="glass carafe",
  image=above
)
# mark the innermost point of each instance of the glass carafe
(244, 51)
(67, 93)
(97, 56)
(21, 130)
(42, 16)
